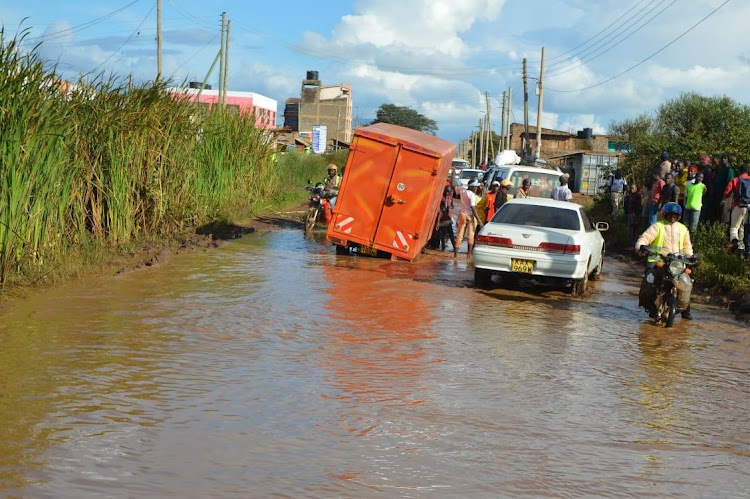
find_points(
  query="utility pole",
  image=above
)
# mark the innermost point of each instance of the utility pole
(338, 128)
(221, 57)
(489, 124)
(539, 109)
(502, 126)
(158, 40)
(507, 121)
(526, 145)
(226, 63)
(481, 139)
(471, 141)
(208, 75)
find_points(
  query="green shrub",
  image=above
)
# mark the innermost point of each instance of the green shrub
(717, 266)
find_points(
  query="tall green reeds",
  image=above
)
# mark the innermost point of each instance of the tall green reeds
(110, 162)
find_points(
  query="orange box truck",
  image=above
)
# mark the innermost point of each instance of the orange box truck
(390, 193)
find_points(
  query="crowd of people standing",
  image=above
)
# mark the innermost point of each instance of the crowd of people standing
(707, 190)
(478, 205)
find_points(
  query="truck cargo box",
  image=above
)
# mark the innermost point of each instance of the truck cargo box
(390, 192)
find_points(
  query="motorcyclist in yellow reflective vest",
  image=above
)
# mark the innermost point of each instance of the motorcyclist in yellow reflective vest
(664, 237)
(333, 182)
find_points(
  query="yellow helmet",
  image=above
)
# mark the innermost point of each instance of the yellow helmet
(333, 167)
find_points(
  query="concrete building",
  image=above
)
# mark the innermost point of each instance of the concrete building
(261, 107)
(291, 114)
(324, 105)
(557, 143)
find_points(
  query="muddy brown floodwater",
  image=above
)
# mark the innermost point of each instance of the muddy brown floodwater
(273, 367)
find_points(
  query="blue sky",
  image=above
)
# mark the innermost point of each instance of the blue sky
(437, 56)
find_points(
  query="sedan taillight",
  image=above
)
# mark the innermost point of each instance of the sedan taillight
(572, 249)
(494, 241)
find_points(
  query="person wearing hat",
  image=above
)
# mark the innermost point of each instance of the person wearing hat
(486, 206)
(665, 166)
(468, 218)
(562, 192)
(501, 197)
(692, 172)
(333, 182)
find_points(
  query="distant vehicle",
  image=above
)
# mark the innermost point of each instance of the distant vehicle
(540, 237)
(460, 164)
(543, 180)
(469, 174)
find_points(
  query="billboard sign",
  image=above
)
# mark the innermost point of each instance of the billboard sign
(319, 138)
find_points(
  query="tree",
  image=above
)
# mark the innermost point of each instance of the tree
(404, 116)
(687, 127)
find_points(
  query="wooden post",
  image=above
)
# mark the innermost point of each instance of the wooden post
(507, 121)
(539, 109)
(502, 127)
(527, 144)
(226, 64)
(158, 40)
(221, 56)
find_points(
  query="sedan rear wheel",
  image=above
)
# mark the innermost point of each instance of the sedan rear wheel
(597, 274)
(580, 285)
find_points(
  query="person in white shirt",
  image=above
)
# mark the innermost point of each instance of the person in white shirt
(468, 218)
(562, 192)
(617, 185)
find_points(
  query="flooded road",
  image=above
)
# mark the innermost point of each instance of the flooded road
(273, 367)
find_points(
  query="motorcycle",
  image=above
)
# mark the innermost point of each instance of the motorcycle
(319, 208)
(667, 286)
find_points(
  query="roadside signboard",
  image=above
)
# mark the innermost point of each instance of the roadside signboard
(319, 139)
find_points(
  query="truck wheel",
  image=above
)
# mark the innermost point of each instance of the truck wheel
(482, 277)
(342, 250)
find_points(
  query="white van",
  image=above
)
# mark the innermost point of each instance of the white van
(543, 180)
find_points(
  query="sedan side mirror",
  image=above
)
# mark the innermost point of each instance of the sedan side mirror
(602, 226)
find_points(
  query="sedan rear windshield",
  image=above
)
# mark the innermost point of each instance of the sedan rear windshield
(537, 216)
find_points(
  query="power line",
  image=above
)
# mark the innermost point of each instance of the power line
(596, 35)
(87, 24)
(195, 54)
(187, 15)
(137, 30)
(615, 42)
(674, 40)
(625, 21)
(623, 26)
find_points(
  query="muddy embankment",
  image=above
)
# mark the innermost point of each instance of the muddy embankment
(209, 237)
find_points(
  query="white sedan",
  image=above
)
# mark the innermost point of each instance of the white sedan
(540, 237)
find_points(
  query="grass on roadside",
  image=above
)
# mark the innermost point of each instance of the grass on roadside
(106, 166)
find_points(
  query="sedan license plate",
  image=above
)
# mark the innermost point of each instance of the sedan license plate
(368, 250)
(524, 266)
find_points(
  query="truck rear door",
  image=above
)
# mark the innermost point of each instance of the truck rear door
(366, 178)
(407, 202)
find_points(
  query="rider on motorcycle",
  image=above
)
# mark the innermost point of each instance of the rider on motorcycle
(333, 182)
(664, 237)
